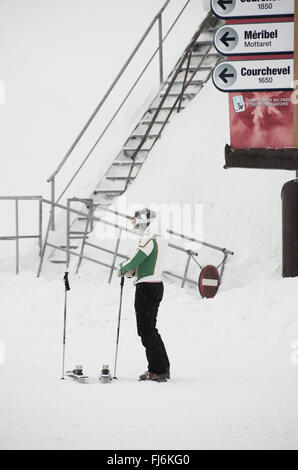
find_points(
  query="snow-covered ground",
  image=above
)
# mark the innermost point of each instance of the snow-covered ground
(233, 359)
(233, 385)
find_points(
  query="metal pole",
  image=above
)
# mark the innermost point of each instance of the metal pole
(115, 257)
(68, 233)
(84, 239)
(160, 49)
(44, 245)
(118, 328)
(17, 237)
(53, 190)
(67, 288)
(186, 270)
(40, 226)
(223, 267)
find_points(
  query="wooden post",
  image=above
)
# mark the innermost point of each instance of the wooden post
(296, 75)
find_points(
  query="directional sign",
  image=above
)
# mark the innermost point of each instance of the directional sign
(252, 8)
(260, 38)
(254, 75)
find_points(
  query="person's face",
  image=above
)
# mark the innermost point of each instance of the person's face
(140, 228)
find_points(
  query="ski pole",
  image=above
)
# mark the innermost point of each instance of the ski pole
(67, 288)
(118, 328)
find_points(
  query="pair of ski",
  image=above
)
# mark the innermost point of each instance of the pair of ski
(78, 376)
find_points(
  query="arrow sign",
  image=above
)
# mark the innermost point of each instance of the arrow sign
(224, 3)
(226, 73)
(259, 38)
(254, 75)
(226, 39)
(252, 8)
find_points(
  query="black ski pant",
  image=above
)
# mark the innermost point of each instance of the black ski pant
(147, 300)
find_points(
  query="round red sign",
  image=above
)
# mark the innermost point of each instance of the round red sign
(209, 282)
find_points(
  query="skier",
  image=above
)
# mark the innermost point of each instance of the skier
(147, 266)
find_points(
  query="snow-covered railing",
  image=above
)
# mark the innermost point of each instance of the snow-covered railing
(17, 237)
(90, 218)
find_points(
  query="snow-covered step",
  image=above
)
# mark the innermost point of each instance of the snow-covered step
(126, 163)
(73, 247)
(193, 69)
(168, 102)
(142, 129)
(210, 60)
(204, 48)
(133, 145)
(126, 156)
(146, 123)
(122, 171)
(206, 42)
(195, 83)
(201, 75)
(119, 178)
(77, 237)
(206, 36)
(166, 108)
(108, 191)
(185, 95)
(113, 182)
(194, 89)
(141, 135)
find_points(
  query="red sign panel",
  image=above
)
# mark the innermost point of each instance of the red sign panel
(209, 282)
(261, 119)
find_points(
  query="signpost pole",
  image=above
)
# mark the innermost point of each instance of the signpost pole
(296, 76)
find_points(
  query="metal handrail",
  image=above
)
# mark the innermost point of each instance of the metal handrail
(191, 255)
(82, 256)
(114, 83)
(157, 18)
(95, 204)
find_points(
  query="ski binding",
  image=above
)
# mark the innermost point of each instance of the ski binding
(77, 374)
(105, 376)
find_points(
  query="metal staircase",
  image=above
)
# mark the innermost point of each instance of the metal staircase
(188, 77)
(190, 74)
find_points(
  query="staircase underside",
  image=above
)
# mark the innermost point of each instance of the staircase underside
(204, 57)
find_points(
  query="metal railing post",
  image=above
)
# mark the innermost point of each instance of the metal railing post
(17, 237)
(43, 252)
(186, 270)
(160, 49)
(40, 226)
(53, 192)
(68, 233)
(223, 266)
(85, 236)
